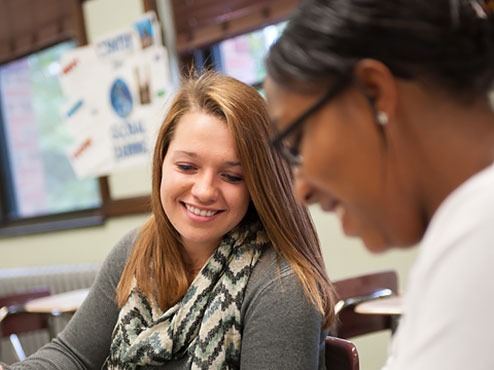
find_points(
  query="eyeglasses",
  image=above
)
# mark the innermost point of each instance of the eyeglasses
(290, 152)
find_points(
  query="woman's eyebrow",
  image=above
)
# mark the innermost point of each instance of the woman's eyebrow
(187, 153)
(195, 155)
(232, 164)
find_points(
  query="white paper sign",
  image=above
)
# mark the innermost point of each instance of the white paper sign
(117, 89)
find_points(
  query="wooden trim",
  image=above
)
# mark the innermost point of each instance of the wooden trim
(50, 223)
(149, 5)
(79, 22)
(121, 207)
(29, 26)
(127, 206)
(228, 25)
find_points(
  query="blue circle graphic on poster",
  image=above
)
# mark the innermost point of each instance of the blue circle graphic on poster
(121, 98)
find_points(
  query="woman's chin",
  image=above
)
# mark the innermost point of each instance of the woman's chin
(375, 243)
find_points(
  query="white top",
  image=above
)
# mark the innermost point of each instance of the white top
(448, 321)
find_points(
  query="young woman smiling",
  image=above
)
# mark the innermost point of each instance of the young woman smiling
(227, 272)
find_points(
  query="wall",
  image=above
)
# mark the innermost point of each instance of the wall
(343, 256)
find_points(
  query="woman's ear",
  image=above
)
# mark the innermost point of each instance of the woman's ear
(379, 85)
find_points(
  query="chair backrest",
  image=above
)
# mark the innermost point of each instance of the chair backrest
(17, 321)
(341, 354)
(357, 289)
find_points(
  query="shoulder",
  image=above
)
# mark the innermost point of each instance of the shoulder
(271, 269)
(281, 328)
(118, 256)
(474, 198)
(273, 282)
(126, 243)
(461, 229)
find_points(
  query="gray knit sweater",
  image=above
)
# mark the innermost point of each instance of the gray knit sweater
(282, 330)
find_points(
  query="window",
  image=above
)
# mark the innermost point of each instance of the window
(37, 179)
(38, 189)
(242, 56)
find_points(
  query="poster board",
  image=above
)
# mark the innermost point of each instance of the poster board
(116, 89)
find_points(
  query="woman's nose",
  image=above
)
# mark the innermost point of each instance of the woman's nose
(304, 192)
(204, 188)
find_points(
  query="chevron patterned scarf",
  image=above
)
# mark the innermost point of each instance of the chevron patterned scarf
(205, 325)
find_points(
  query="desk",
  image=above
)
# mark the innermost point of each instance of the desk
(389, 306)
(56, 304)
(383, 306)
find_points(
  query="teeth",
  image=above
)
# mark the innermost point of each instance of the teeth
(200, 212)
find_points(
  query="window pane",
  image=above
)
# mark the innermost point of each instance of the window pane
(243, 56)
(40, 180)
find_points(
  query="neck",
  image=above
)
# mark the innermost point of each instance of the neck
(448, 144)
(195, 256)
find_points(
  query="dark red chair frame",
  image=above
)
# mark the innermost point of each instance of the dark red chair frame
(357, 289)
(341, 354)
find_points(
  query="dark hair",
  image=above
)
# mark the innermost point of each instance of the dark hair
(445, 43)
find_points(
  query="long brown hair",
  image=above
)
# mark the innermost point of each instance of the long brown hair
(156, 261)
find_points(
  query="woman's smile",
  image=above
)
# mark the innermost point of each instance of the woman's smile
(204, 214)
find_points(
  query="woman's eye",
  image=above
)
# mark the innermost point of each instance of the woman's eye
(295, 143)
(232, 178)
(185, 167)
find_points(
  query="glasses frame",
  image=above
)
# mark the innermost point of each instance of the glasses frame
(292, 155)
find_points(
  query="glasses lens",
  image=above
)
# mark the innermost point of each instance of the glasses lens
(288, 145)
(291, 153)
